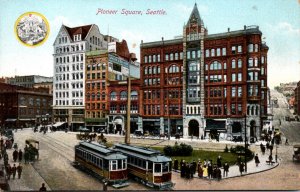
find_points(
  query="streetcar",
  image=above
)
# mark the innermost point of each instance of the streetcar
(147, 165)
(106, 163)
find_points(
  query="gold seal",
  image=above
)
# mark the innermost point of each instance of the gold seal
(32, 29)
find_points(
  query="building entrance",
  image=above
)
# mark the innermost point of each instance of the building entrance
(194, 128)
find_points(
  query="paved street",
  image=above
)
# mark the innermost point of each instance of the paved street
(57, 153)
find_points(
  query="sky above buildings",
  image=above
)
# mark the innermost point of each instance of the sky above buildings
(277, 19)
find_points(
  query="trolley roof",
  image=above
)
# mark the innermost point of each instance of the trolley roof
(101, 150)
(141, 152)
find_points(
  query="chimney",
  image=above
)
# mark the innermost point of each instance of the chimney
(228, 29)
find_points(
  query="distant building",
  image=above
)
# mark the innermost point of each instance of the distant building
(28, 80)
(2, 79)
(24, 107)
(205, 84)
(297, 100)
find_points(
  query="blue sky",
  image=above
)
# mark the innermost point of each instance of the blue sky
(278, 20)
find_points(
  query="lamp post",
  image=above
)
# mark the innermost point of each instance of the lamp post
(245, 142)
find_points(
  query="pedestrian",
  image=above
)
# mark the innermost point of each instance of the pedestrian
(268, 145)
(271, 148)
(182, 169)
(241, 167)
(20, 155)
(205, 171)
(286, 141)
(176, 164)
(218, 173)
(187, 171)
(194, 166)
(256, 159)
(239, 160)
(14, 171)
(210, 170)
(43, 188)
(19, 170)
(226, 169)
(15, 155)
(8, 171)
(270, 159)
(192, 170)
(219, 161)
(200, 170)
(263, 150)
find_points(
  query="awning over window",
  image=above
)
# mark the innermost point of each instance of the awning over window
(57, 124)
(215, 124)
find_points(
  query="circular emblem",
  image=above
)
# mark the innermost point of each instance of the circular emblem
(32, 29)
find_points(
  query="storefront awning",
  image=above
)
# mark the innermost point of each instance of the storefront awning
(10, 120)
(26, 119)
(57, 124)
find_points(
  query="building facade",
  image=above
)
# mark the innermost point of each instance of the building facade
(24, 107)
(117, 104)
(70, 47)
(216, 83)
(103, 69)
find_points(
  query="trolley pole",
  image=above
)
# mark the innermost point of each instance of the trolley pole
(127, 132)
(245, 142)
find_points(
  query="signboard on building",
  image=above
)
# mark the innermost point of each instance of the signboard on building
(118, 64)
(112, 47)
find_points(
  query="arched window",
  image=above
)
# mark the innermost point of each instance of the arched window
(248, 110)
(193, 66)
(113, 96)
(215, 66)
(257, 111)
(123, 95)
(233, 64)
(173, 69)
(252, 110)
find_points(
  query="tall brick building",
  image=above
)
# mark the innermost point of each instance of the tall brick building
(203, 83)
(297, 100)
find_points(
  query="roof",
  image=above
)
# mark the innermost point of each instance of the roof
(101, 150)
(136, 149)
(195, 16)
(83, 30)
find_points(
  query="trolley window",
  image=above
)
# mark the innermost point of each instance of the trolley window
(113, 165)
(97, 162)
(166, 167)
(105, 164)
(150, 166)
(124, 164)
(100, 163)
(157, 168)
(120, 164)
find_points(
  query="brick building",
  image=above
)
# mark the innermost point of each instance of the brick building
(24, 107)
(29, 81)
(205, 83)
(102, 68)
(117, 104)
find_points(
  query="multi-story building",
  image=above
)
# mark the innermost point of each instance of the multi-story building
(24, 107)
(202, 83)
(70, 47)
(117, 104)
(102, 67)
(297, 100)
(28, 81)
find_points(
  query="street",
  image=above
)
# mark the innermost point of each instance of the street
(54, 166)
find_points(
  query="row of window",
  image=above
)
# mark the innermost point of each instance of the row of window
(71, 48)
(216, 52)
(96, 67)
(154, 81)
(123, 108)
(31, 101)
(193, 110)
(92, 106)
(96, 41)
(95, 114)
(96, 75)
(33, 111)
(67, 59)
(123, 95)
(95, 97)
(95, 85)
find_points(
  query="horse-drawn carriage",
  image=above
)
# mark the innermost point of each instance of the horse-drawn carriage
(31, 151)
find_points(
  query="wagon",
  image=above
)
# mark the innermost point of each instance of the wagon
(32, 151)
(296, 155)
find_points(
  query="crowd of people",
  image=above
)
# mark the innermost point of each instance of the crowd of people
(204, 169)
